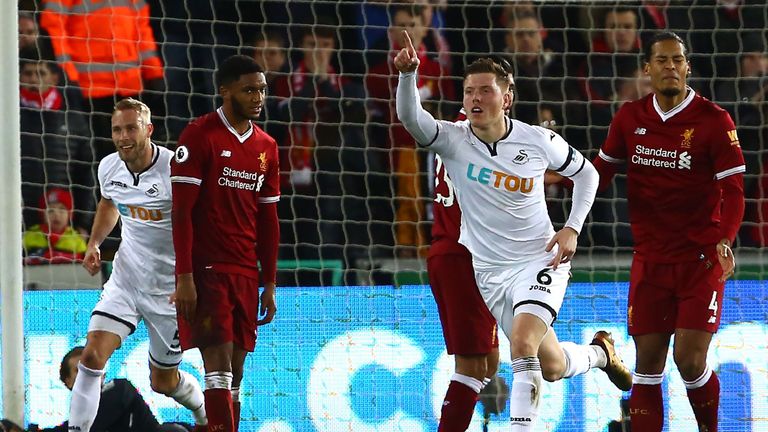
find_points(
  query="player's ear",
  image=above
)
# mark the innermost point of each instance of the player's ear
(647, 69)
(150, 129)
(509, 97)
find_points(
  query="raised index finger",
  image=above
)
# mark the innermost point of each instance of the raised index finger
(407, 43)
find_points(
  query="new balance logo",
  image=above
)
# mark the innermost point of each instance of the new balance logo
(640, 131)
(226, 153)
(684, 162)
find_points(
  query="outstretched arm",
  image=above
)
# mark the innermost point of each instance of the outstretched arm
(417, 121)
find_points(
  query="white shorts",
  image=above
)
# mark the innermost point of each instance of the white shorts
(119, 310)
(532, 288)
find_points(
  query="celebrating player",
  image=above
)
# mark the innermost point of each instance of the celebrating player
(521, 265)
(135, 185)
(469, 329)
(225, 190)
(686, 201)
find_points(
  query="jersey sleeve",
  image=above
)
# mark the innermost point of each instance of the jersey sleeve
(270, 192)
(614, 150)
(562, 158)
(189, 160)
(102, 174)
(726, 149)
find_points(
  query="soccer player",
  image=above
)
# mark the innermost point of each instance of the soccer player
(686, 201)
(521, 265)
(225, 191)
(469, 328)
(135, 185)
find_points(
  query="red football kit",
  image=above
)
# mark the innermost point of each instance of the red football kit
(468, 326)
(225, 190)
(684, 167)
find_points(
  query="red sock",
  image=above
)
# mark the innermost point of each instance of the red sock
(236, 414)
(646, 406)
(705, 400)
(458, 406)
(218, 408)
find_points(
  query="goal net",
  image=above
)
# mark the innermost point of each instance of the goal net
(357, 344)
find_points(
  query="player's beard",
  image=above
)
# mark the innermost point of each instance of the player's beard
(241, 111)
(671, 91)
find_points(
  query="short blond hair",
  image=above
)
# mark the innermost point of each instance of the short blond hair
(134, 104)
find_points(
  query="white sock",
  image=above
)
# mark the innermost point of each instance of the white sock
(700, 381)
(86, 393)
(580, 358)
(218, 380)
(473, 383)
(525, 393)
(235, 394)
(597, 357)
(189, 395)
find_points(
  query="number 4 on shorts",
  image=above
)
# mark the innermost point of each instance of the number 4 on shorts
(713, 308)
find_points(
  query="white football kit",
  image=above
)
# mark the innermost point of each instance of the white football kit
(500, 189)
(142, 278)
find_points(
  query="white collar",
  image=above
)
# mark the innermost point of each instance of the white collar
(681, 106)
(232, 130)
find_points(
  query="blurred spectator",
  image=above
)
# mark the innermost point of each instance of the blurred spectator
(28, 31)
(315, 100)
(653, 17)
(109, 49)
(714, 30)
(432, 17)
(615, 52)
(270, 52)
(434, 85)
(54, 147)
(538, 73)
(54, 241)
(745, 98)
(121, 408)
(745, 95)
(191, 35)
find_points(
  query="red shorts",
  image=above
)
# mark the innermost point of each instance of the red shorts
(468, 326)
(665, 297)
(227, 311)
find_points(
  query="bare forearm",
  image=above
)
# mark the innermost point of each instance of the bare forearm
(104, 222)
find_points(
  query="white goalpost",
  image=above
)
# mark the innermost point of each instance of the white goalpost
(10, 222)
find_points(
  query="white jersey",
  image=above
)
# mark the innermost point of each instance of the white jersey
(146, 258)
(500, 188)
(500, 185)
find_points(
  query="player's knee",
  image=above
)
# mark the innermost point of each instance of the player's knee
(473, 366)
(690, 366)
(94, 358)
(523, 345)
(164, 383)
(552, 372)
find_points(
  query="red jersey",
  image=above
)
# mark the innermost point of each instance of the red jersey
(674, 161)
(446, 215)
(235, 173)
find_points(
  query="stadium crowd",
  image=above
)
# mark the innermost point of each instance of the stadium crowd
(331, 101)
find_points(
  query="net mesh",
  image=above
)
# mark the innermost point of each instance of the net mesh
(356, 192)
